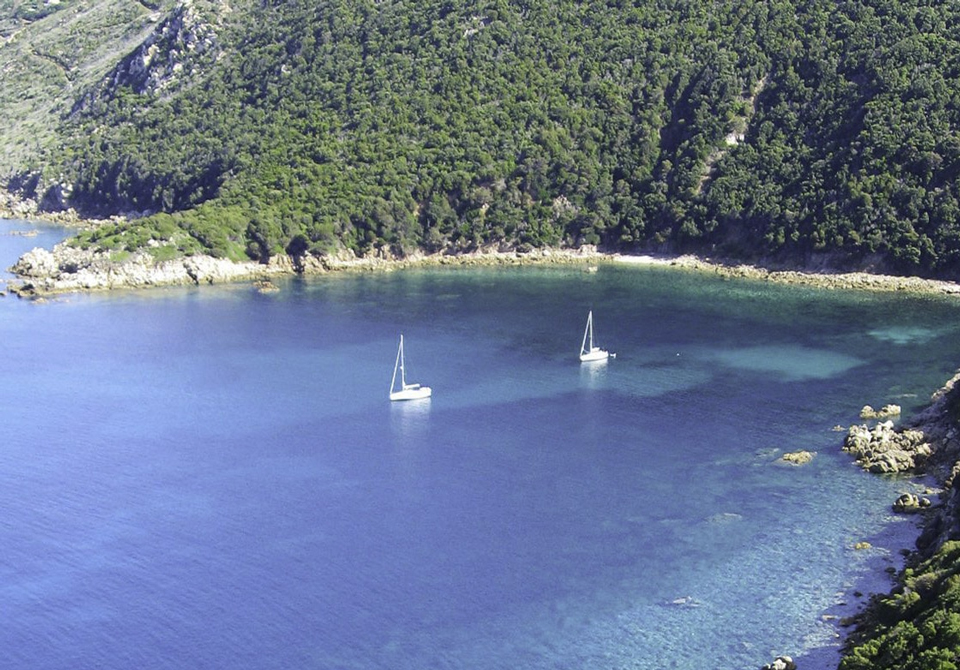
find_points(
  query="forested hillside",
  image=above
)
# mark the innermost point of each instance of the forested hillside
(777, 130)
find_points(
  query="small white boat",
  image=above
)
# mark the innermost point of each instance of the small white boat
(588, 352)
(406, 391)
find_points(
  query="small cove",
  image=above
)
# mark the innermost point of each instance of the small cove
(214, 476)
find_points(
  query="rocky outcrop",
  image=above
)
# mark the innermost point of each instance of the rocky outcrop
(797, 457)
(68, 268)
(781, 663)
(886, 450)
(910, 503)
(183, 44)
(885, 412)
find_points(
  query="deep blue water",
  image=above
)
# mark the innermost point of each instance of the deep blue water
(214, 478)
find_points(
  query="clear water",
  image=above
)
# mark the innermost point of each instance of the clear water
(211, 478)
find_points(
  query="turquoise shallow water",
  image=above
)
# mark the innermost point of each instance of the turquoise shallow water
(215, 478)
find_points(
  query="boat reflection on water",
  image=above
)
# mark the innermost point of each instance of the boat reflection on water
(410, 419)
(594, 375)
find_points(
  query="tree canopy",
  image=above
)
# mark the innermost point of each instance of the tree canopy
(775, 130)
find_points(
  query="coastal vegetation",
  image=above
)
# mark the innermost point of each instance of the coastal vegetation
(918, 626)
(799, 132)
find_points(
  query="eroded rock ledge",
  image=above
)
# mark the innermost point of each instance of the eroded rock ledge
(67, 268)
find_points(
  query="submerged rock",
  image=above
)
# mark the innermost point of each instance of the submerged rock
(266, 286)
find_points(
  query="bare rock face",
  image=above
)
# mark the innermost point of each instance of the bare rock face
(36, 263)
(184, 43)
(68, 268)
(179, 42)
(883, 449)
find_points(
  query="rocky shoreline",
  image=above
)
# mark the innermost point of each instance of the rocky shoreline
(69, 269)
(821, 279)
(14, 207)
(939, 426)
(928, 445)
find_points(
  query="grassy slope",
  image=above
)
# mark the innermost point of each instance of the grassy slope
(46, 60)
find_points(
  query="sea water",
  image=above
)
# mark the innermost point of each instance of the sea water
(215, 477)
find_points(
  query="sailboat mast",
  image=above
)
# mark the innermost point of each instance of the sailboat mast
(588, 331)
(403, 374)
(397, 364)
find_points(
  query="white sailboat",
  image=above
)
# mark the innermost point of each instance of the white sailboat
(589, 352)
(406, 391)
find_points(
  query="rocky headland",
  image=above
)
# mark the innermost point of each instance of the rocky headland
(69, 269)
(929, 443)
(926, 445)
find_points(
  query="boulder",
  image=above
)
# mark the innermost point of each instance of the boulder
(884, 412)
(910, 503)
(781, 663)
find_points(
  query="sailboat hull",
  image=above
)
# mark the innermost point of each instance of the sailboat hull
(417, 393)
(595, 354)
